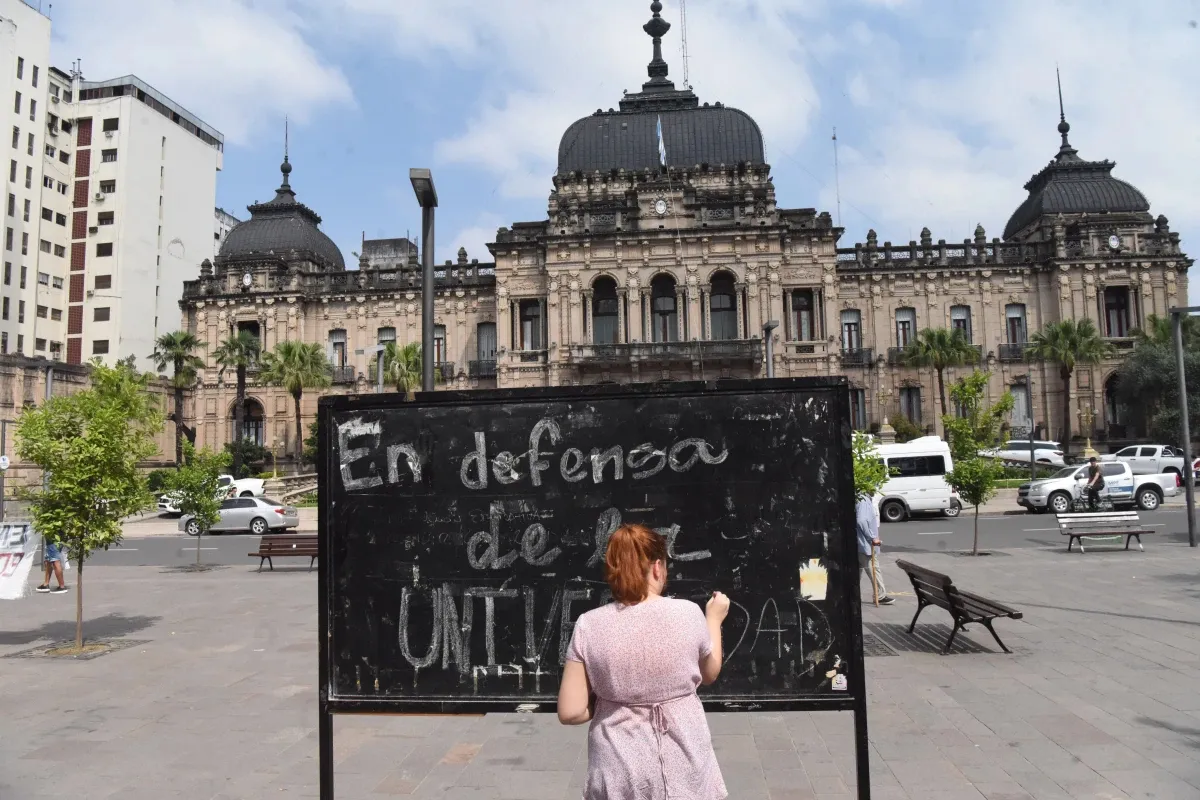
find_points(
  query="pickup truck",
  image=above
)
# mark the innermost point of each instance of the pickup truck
(244, 487)
(1057, 493)
(1149, 459)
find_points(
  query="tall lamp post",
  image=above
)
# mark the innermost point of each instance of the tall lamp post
(422, 182)
(1189, 480)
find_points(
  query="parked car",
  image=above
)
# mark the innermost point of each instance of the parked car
(1016, 451)
(1149, 459)
(255, 514)
(243, 487)
(1057, 492)
(918, 483)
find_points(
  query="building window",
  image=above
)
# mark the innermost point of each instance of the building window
(8, 239)
(1014, 318)
(960, 320)
(12, 205)
(28, 210)
(39, 344)
(57, 282)
(64, 156)
(723, 308)
(910, 403)
(108, 187)
(664, 316)
(99, 347)
(604, 311)
(47, 215)
(29, 146)
(439, 345)
(5, 308)
(105, 282)
(60, 219)
(24, 272)
(385, 335)
(44, 278)
(56, 314)
(337, 347)
(17, 104)
(858, 409)
(20, 68)
(24, 244)
(104, 249)
(47, 182)
(43, 312)
(16, 137)
(1116, 311)
(1020, 415)
(4, 342)
(20, 343)
(111, 124)
(35, 75)
(804, 328)
(851, 330)
(531, 325)
(33, 110)
(67, 95)
(906, 326)
(485, 341)
(29, 177)
(101, 314)
(56, 351)
(8, 273)
(20, 311)
(254, 422)
(51, 150)
(108, 156)
(105, 218)
(45, 246)
(60, 250)
(12, 172)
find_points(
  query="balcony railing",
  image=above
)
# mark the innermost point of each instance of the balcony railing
(482, 369)
(343, 375)
(669, 352)
(1121, 343)
(1012, 352)
(443, 371)
(896, 356)
(862, 357)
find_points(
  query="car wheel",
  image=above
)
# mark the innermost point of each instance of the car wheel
(258, 526)
(893, 511)
(1059, 503)
(1148, 500)
(193, 528)
(246, 494)
(954, 510)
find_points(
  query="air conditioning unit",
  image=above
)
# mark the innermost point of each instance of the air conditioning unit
(94, 229)
(54, 99)
(54, 131)
(91, 293)
(98, 197)
(108, 134)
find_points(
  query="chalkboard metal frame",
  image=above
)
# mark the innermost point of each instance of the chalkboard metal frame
(330, 703)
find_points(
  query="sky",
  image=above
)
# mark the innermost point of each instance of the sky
(943, 108)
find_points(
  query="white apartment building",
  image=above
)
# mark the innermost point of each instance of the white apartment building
(224, 223)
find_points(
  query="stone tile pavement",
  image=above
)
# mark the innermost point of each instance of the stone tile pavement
(1100, 699)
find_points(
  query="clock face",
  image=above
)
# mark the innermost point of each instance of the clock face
(1114, 242)
(247, 279)
(660, 207)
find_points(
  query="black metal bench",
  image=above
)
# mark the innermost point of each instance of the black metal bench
(285, 545)
(935, 589)
(1098, 525)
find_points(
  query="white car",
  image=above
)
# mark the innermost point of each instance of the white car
(1017, 451)
(918, 480)
(244, 487)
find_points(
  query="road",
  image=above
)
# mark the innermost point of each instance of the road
(929, 534)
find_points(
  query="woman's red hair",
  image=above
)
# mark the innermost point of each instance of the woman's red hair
(631, 551)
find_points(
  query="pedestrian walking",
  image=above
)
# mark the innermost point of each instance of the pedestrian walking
(632, 670)
(867, 517)
(52, 561)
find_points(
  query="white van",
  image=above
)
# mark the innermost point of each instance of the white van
(918, 483)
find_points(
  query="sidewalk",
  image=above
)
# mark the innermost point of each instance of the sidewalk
(218, 699)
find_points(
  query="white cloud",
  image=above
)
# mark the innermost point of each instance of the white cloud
(477, 236)
(237, 65)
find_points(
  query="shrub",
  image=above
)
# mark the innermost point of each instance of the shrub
(156, 480)
(906, 429)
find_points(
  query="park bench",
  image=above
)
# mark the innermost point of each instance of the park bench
(1096, 525)
(284, 546)
(935, 589)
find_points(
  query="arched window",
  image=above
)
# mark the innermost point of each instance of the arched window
(960, 320)
(253, 421)
(664, 316)
(723, 307)
(604, 311)
(906, 326)
(1114, 411)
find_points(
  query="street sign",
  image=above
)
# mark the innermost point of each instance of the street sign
(3, 462)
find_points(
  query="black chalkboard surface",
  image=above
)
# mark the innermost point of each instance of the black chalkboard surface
(463, 533)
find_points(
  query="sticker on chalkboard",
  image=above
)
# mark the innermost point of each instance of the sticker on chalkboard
(839, 683)
(814, 580)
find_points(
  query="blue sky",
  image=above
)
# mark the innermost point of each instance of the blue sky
(943, 109)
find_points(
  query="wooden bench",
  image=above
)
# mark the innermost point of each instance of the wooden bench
(935, 589)
(1098, 524)
(285, 545)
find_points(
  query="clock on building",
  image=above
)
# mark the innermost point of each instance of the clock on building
(1114, 242)
(247, 279)
(660, 207)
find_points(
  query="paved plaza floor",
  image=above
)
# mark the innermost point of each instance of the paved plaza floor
(216, 697)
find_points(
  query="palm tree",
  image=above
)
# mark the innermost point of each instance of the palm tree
(402, 367)
(238, 352)
(178, 350)
(296, 366)
(1068, 343)
(940, 348)
(1160, 331)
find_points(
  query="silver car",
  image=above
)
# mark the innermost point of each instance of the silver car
(255, 514)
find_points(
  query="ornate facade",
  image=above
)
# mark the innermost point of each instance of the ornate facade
(665, 257)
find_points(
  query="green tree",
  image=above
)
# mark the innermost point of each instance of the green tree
(906, 429)
(197, 490)
(975, 479)
(296, 366)
(250, 456)
(177, 350)
(869, 472)
(402, 367)
(239, 352)
(310, 443)
(940, 348)
(1160, 330)
(980, 427)
(88, 446)
(1147, 387)
(1068, 344)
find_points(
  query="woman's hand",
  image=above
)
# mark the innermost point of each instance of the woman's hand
(717, 607)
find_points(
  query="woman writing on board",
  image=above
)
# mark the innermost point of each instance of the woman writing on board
(632, 671)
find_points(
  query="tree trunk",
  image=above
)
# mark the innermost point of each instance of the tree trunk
(239, 417)
(199, 536)
(78, 602)
(178, 415)
(1066, 414)
(975, 546)
(299, 431)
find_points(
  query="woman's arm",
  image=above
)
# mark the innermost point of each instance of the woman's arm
(574, 695)
(714, 615)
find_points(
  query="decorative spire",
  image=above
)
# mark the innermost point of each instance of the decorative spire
(285, 167)
(1065, 151)
(656, 28)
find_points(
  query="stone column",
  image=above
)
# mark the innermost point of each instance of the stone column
(589, 332)
(622, 298)
(739, 293)
(680, 315)
(788, 333)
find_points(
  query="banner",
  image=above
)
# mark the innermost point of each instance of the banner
(18, 546)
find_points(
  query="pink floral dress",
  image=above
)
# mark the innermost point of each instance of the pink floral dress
(648, 738)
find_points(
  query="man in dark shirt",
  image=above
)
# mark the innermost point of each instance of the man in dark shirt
(1095, 483)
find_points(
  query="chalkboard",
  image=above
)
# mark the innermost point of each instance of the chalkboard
(463, 533)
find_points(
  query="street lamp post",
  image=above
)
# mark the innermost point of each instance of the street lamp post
(1189, 480)
(422, 182)
(768, 334)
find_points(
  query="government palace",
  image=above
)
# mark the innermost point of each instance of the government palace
(646, 272)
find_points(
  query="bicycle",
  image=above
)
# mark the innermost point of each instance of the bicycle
(1081, 505)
